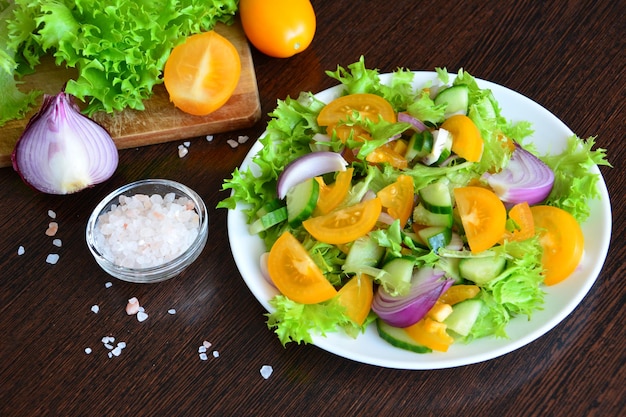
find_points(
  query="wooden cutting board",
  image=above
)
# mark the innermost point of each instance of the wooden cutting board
(160, 121)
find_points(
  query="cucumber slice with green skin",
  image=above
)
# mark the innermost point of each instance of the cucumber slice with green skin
(481, 270)
(463, 316)
(301, 201)
(436, 197)
(399, 338)
(425, 217)
(400, 268)
(442, 140)
(420, 145)
(270, 206)
(364, 251)
(456, 99)
(268, 220)
(436, 236)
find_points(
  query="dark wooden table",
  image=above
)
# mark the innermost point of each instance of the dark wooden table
(568, 56)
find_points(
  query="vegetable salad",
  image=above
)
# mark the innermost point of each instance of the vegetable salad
(381, 207)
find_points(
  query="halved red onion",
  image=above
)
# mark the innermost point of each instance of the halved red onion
(61, 151)
(417, 124)
(309, 166)
(427, 285)
(526, 178)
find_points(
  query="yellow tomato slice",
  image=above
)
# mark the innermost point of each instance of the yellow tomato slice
(525, 226)
(295, 274)
(330, 196)
(466, 139)
(356, 296)
(457, 293)
(369, 106)
(386, 153)
(431, 334)
(398, 198)
(562, 240)
(345, 225)
(483, 216)
(202, 73)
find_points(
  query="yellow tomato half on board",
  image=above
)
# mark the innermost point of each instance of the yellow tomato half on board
(278, 28)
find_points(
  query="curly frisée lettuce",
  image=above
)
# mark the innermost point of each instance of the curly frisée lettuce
(293, 132)
(119, 47)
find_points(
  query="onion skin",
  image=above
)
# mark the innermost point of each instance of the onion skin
(309, 166)
(61, 151)
(525, 179)
(427, 286)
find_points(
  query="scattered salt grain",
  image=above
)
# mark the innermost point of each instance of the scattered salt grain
(87, 350)
(53, 228)
(182, 151)
(145, 231)
(116, 351)
(121, 345)
(52, 214)
(141, 316)
(57, 242)
(52, 258)
(216, 354)
(133, 306)
(206, 344)
(171, 311)
(209, 138)
(203, 356)
(243, 139)
(108, 339)
(266, 371)
(233, 143)
(95, 308)
(21, 250)
(108, 284)
(108, 346)
(187, 144)
(202, 349)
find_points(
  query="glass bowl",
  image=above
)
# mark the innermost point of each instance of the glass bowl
(118, 241)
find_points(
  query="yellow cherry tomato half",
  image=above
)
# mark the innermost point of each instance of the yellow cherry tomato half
(522, 216)
(430, 333)
(370, 106)
(295, 274)
(562, 240)
(345, 225)
(466, 139)
(278, 28)
(356, 296)
(483, 216)
(330, 196)
(398, 198)
(202, 73)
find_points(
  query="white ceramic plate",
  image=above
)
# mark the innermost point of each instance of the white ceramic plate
(561, 299)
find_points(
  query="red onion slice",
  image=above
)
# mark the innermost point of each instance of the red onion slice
(309, 166)
(526, 178)
(417, 124)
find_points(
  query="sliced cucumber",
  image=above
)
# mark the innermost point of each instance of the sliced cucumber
(442, 140)
(270, 206)
(456, 99)
(436, 197)
(301, 201)
(397, 337)
(400, 269)
(268, 220)
(436, 236)
(425, 217)
(481, 270)
(463, 316)
(420, 145)
(365, 251)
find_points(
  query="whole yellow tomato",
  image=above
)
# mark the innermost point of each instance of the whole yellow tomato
(278, 28)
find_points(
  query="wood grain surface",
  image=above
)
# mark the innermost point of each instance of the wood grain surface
(566, 55)
(160, 121)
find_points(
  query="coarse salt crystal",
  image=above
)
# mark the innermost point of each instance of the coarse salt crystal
(95, 308)
(209, 138)
(87, 350)
(107, 339)
(243, 139)
(206, 344)
(171, 311)
(52, 214)
(21, 250)
(216, 354)
(57, 242)
(108, 284)
(52, 258)
(233, 143)
(108, 346)
(266, 371)
(182, 151)
(201, 349)
(121, 345)
(141, 316)
(187, 144)
(133, 306)
(116, 351)
(110, 355)
(53, 228)
(203, 356)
